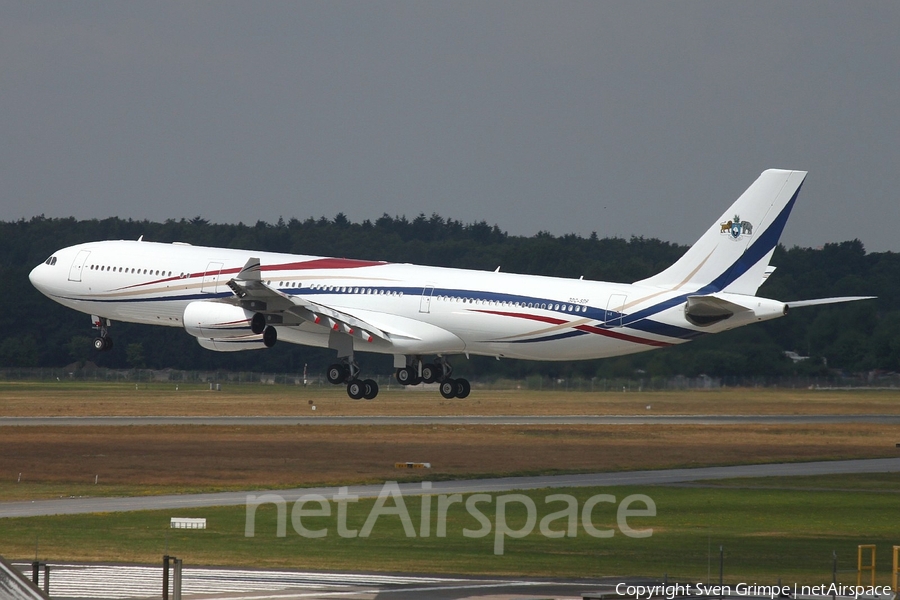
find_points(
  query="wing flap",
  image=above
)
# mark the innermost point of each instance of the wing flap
(251, 293)
(336, 320)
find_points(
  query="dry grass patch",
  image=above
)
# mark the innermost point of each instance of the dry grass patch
(129, 399)
(173, 458)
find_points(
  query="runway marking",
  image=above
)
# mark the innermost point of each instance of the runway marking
(112, 582)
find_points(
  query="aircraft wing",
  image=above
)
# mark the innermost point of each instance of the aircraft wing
(283, 309)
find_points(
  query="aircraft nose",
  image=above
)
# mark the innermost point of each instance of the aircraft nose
(38, 277)
(33, 276)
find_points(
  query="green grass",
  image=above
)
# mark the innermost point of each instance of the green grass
(868, 482)
(766, 533)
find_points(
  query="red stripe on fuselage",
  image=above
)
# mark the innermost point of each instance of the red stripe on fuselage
(323, 263)
(586, 328)
(622, 336)
(542, 319)
(319, 263)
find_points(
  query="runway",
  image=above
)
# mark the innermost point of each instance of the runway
(377, 421)
(119, 582)
(73, 506)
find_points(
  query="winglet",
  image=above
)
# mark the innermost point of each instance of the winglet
(250, 272)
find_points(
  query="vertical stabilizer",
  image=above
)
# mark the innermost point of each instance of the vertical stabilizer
(734, 253)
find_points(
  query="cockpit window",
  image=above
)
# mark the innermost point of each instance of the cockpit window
(50, 261)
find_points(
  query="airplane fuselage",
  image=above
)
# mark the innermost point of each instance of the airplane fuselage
(430, 310)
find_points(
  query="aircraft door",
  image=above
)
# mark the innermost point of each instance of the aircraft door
(211, 278)
(425, 302)
(614, 309)
(78, 265)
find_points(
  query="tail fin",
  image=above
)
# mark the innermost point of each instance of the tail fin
(733, 254)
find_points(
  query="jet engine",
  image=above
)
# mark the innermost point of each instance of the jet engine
(219, 322)
(235, 344)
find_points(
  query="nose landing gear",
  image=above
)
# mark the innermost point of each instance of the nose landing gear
(102, 342)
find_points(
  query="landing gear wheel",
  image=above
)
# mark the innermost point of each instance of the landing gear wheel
(371, 389)
(448, 388)
(462, 388)
(407, 376)
(337, 373)
(356, 389)
(103, 343)
(431, 373)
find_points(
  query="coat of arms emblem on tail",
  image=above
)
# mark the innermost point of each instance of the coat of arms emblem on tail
(737, 228)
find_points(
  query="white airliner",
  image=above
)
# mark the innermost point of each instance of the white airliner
(241, 299)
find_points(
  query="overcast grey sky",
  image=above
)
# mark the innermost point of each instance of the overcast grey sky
(624, 118)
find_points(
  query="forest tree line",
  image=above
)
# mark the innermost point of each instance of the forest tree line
(849, 338)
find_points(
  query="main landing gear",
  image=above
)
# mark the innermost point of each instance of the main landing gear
(421, 372)
(102, 342)
(348, 372)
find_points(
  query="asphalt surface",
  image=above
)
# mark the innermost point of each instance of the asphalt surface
(72, 506)
(456, 420)
(110, 582)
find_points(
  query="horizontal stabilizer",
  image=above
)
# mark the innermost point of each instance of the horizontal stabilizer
(817, 302)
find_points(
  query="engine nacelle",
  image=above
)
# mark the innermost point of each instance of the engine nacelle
(226, 328)
(236, 344)
(204, 319)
